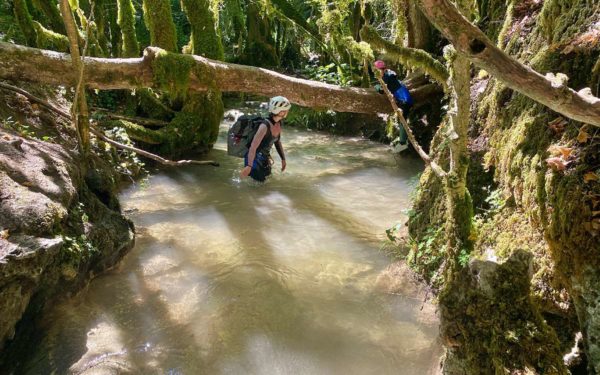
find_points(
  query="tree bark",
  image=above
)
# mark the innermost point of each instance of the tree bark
(80, 110)
(49, 67)
(424, 156)
(458, 202)
(418, 27)
(159, 20)
(473, 43)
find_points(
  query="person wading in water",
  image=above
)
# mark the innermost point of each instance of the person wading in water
(258, 160)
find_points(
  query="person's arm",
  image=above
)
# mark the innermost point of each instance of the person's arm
(258, 137)
(279, 148)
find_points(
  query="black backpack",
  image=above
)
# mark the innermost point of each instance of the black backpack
(241, 133)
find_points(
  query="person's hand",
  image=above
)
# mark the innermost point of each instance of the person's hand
(283, 165)
(246, 171)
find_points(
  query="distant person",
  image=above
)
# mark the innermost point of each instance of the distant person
(258, 159)
(402, 97)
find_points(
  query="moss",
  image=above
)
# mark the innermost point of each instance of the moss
(413, 58)
(492, 324)
(52, 15)
(401, 27)
(235, 13)
(171, 72)
(508, 20)
(114, 29)
(94, 46)
(126, 22)
(260, 46)
(159, 20)
(101, 23)
(152, 107)
(195, 127)
(205, 40)
(490, 16)
(48, 39)
(23, 18)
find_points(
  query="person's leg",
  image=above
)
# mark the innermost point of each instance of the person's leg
(260, 168)
(403, 137)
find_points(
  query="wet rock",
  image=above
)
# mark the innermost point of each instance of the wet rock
(58, 228)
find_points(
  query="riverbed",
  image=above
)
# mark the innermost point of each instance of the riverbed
(234, 277)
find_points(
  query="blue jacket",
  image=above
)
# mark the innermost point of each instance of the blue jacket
(397, 88)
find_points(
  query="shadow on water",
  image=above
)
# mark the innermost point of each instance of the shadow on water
(219, 282)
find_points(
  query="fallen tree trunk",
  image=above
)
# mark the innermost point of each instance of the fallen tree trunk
(49, 67)
(551, 91)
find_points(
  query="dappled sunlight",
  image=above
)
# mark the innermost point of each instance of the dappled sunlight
(285, 277)
(163, 193)
(105, 351)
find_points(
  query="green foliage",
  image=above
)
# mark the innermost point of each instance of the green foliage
(126, 163)
(75, 252)
(51, 13)
(24, 130)
(330, 73)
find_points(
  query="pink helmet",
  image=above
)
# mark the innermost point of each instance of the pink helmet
(379, 64)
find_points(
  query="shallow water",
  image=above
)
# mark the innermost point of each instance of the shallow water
(229, 277)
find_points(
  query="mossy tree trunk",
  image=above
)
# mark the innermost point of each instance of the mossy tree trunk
(459, 205)
(238, 24)
(202, 112)
(259, 49)
(159, 20)
(205, 41)
(22, 63)
(115, 31)
(25, 22)
(50, 10)
(126, 22)
(419, 30)
(101, 21)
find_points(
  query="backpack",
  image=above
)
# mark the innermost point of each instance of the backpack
(241, 133)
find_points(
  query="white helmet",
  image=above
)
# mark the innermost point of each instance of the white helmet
(278, 104)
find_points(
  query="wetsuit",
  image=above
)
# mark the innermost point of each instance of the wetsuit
(261, 167)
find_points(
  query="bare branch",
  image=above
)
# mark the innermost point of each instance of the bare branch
(434, 166)
(139, 120)
(473, 43)
(102, 136)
